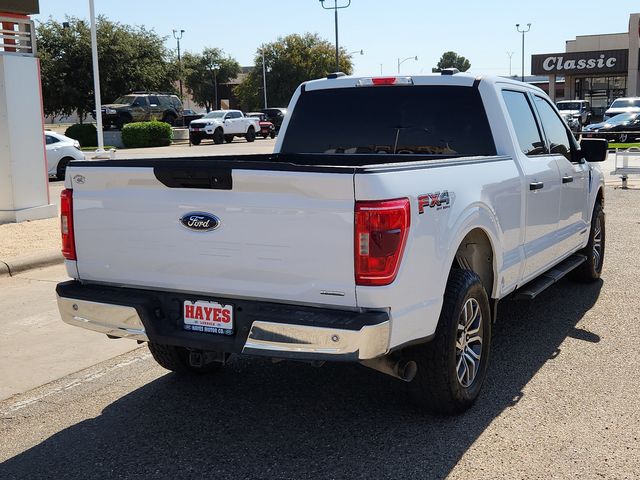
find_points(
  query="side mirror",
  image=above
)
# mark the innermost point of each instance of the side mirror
(594, 149)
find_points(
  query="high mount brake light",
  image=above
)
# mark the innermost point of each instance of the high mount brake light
(381, 230)
(379, 81)
(66, 224)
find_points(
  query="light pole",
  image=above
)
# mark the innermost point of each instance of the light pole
(510, 54)
(96, 76)
(361, 52)
(264, 80)
(335, 8)
(523, 31)
(178, 37)
(215, 87)
(400, 62)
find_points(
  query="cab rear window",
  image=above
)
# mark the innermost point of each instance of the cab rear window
(436, 120)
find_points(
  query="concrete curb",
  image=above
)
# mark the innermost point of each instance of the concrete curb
(12, 266)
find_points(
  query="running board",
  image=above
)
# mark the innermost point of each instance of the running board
(535, 287)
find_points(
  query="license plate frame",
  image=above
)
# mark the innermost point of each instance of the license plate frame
(208, 316)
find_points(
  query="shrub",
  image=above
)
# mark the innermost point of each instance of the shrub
(85, 133)
(147, 134)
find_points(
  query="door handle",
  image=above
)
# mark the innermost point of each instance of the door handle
(567, 179)
(536, 186)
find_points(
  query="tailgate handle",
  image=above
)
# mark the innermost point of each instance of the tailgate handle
(194, 177)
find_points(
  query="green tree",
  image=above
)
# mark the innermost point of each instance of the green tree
(200, 71)
(452, 60)
(131, 58)
(289, 61)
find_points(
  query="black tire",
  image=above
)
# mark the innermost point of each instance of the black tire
(437, 386)
(61, 169)
(228, 138)
(590, 270)
(272, 135)
(218, 136)
(176, 359)
(250, 135)
(121, 121)
(170, 119)
(265, 135)
(195, 141)
(623, 137)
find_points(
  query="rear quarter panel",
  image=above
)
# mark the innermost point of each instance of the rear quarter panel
(484, 193)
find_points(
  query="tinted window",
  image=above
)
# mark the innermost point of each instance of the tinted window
(626, 102)
(140, 102)
(153, 100)
(554, 128)
(524, 123)
(50, 139)
(395, 119)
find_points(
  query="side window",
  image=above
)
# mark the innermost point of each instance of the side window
(51, 139)
(153, 100)
(524, 123)
(554, 128)
(140, 102)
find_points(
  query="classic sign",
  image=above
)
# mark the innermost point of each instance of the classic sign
(609, 61)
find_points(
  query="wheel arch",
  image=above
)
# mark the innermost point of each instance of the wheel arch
(476, 252)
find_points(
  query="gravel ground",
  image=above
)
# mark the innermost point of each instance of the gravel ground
(561, 401)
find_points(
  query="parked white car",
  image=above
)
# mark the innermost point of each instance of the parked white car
(60, 151)
(222, 125)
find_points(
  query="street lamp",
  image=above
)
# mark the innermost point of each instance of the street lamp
(400, 62)
(264, 80)
(96, 76)
(361, 52)
(178, 37)
(510, 54)
(215, 86)
(523, 31)
(336, 8)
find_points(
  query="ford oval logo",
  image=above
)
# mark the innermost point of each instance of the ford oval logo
(200, 221)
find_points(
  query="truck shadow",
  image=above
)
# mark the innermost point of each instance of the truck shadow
(290, 420)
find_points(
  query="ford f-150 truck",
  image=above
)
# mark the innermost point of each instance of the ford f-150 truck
(381, 239)
(222, 126)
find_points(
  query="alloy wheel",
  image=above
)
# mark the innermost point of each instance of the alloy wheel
(469, 342)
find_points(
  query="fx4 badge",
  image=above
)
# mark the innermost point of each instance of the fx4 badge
(437, 200)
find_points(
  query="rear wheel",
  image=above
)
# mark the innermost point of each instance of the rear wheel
(272, 134)
(250, 135)
(62, 167)
(176, 359)
(228, 138)
(453, 366)
(218, 136)
(195, 141)
(590, 270)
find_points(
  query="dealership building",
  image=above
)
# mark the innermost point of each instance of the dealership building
(597, 68)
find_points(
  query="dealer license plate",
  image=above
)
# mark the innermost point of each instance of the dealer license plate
(209, 317)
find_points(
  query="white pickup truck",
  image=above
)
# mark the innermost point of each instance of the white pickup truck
(386, 237)
(222, 126)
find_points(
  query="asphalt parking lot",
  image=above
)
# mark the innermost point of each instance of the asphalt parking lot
(561, 401)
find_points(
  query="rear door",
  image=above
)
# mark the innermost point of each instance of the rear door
(542, 184)
(282, 235)
(155, 108)
(573, 216)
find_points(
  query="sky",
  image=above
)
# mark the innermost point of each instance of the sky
(482, 31)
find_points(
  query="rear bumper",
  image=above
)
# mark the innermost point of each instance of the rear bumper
(261, 328)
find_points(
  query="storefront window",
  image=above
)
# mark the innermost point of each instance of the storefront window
(600, 92)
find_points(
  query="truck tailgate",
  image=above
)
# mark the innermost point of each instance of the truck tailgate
(283, 235)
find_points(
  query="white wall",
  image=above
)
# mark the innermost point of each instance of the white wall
(24, 184)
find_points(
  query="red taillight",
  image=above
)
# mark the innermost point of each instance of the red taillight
(66, 224)
(383, 80)
(381, 229)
